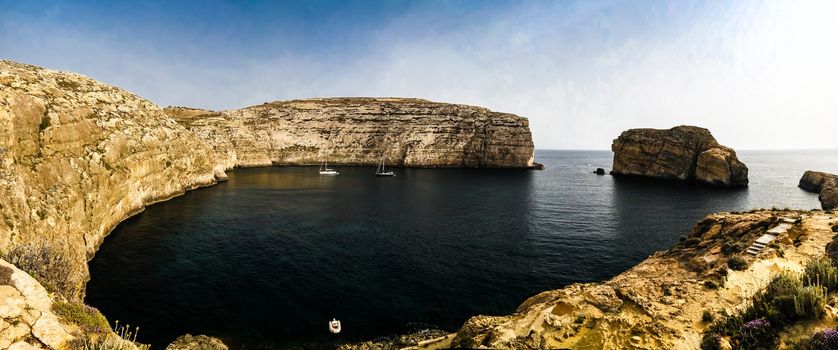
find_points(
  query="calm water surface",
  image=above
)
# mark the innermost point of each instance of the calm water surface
(267, 258)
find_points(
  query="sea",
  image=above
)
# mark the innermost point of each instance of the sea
(266, 259)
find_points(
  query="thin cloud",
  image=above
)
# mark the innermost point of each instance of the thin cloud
(759, 75)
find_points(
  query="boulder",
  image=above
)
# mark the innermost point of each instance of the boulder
(599, 171)
(829, 196)
(196, 342)
(683, 153)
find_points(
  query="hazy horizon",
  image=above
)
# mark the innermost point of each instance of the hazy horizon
(759, 75)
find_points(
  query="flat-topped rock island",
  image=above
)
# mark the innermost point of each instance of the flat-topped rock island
(683, 153)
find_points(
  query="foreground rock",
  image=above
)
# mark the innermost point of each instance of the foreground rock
(196, 342)
(658, 304)
(26, 317)
(360, 131)
(825, 184)
(685, 153)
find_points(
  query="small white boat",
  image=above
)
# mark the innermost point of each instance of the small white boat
(380, 170)
(324, 169)
(334, 326)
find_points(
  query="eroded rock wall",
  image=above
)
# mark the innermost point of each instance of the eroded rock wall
(77, 157)
(685, 153)
(825, 184)
(360, 131)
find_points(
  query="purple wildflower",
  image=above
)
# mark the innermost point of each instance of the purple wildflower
(826, 339)
(757, 324)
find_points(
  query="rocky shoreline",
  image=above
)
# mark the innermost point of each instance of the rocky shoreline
(77, 157)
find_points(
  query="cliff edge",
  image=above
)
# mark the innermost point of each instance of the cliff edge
(685, 153)
(660, 303)
(824, 184)
(77, 157)
(360, 131)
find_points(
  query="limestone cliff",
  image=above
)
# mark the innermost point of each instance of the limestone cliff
(824, 184)
(681, 153)
(77, 157)
(658, 304)
(359, 131)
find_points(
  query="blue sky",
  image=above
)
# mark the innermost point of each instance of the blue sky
(757, 74)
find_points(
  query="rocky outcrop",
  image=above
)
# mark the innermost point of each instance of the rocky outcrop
(829, 196)
(26, 317)
(196, 342)
(685, 153)
(77, 157)
(825, 184)
(659, 303)
(359, 131)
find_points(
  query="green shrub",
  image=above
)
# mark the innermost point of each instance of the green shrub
(783, 284)
(86, 317)
(737, 263)
(731, 248)
(111, 342)
(821, 272)
(809, 302)
(832, 250)
(46, 264)
(712, 341)
(5, 275)
(707, 316)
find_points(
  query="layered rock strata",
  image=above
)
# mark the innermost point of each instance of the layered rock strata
(685, 153)
(825, 184)
(77, 157)
(362, 131)
(658, 304)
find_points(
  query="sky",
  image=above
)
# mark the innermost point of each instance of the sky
(758, 74)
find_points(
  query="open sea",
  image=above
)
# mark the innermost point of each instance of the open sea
(267, 258)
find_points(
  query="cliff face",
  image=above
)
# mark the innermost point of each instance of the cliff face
(681, 153)
(77, 157)
(359, 131)
(824, 184)
(658, 304)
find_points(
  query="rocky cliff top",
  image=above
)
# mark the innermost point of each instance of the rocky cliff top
(686, 153)
(659, 303)
(361, 130)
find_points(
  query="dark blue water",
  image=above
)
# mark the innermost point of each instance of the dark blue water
(267, 258)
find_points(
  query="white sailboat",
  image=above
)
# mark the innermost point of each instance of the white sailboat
(334, 326)
(324, 168)
(380, 170)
